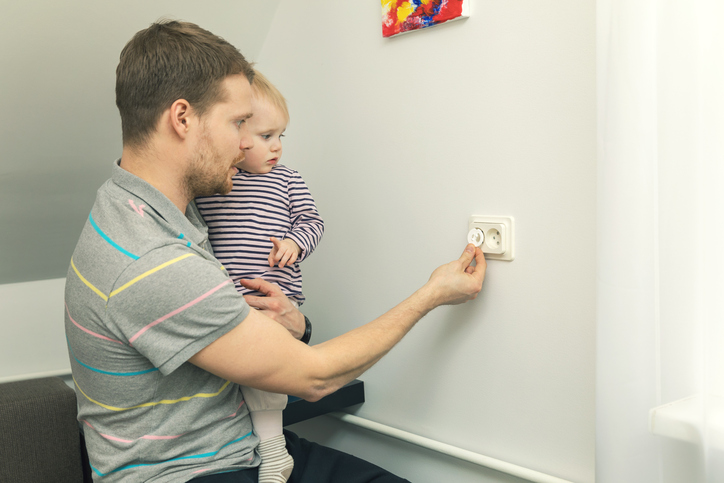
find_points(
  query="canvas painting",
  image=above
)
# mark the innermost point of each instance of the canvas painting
(402, 16)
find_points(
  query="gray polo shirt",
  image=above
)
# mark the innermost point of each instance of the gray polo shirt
(143, 294)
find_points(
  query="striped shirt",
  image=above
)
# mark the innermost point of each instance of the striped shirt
(259, 206)
(143, 294)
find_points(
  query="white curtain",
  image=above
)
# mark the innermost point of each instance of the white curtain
(660, 345)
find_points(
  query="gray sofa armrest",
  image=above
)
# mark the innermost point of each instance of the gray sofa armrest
(39, 436)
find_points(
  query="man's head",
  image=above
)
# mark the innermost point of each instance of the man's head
(220, 141)
(172, 60)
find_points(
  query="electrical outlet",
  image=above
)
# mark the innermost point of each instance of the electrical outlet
(496, 236)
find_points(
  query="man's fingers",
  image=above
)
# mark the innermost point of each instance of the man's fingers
(252, 284)
(256, 302)
(263, 305)
(480, 264)
(260, 285)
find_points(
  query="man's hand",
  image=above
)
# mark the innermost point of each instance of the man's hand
(458, 281)
(275, 305)
(284, 252)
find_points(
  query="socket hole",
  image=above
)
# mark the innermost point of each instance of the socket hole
(493, 240)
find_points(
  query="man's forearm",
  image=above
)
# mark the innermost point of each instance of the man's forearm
(347, 356)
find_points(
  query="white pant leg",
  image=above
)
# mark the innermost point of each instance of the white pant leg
(265, 409)
(258, 400)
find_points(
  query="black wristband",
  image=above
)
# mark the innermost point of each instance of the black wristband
(307, 331)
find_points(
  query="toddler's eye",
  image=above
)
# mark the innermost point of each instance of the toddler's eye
(265, 137)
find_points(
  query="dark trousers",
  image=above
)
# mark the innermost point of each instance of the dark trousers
(314, 463)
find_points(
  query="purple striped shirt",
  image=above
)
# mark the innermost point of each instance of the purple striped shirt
(259, 206)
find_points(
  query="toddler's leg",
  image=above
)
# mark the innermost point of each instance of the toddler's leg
(266, 417)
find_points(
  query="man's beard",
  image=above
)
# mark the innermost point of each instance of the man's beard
(206, 175)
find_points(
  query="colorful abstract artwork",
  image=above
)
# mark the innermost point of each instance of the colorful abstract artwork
(402, 16)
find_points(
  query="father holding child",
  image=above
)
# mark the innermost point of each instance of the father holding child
(160, 341)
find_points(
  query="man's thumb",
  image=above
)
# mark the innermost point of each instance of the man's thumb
(468, 254)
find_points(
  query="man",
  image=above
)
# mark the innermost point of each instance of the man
(159, 340)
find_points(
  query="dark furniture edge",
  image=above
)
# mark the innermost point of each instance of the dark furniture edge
(298, 410)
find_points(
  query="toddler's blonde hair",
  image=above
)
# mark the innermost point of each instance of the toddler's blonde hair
(261, 88)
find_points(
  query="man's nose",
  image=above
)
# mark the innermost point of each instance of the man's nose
(246, 141)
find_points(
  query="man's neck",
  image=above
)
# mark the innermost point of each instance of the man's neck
(161, 172)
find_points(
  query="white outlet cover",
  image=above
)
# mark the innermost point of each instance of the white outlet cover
(505, 226)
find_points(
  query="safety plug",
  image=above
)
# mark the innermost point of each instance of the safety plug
(495, 234)
(476, 237)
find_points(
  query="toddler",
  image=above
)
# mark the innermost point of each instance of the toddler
(264, 228)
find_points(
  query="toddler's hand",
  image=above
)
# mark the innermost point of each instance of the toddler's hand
(284, 252)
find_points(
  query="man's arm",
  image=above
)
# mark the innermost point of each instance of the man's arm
(263, 354)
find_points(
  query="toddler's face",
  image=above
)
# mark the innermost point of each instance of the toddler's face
(267, 127)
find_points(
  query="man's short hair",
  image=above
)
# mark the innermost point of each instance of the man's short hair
(261, 88)
(171, 60)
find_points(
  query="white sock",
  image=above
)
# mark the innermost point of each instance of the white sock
(276, 463)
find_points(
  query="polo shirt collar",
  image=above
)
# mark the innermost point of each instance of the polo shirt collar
(190, 223)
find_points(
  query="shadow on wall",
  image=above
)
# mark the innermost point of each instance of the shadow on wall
(42, 212)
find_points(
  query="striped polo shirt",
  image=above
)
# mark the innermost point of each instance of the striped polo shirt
(259, 206)
(143, 294)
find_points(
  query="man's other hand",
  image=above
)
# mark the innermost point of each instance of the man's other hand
(275, 305)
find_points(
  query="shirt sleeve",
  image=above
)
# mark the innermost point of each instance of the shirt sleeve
(175, 303)
(307, 224)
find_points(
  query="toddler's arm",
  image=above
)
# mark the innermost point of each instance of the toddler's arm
(307, 225)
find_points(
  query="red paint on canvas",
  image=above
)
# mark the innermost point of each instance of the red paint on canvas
(428, 14)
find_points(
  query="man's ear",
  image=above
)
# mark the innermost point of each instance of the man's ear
(181, 115)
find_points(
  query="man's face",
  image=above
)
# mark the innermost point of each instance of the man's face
(222, 140)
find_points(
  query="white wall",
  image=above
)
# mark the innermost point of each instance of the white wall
(400, 140)
(59, 132)
(60, 128)
(33, 342)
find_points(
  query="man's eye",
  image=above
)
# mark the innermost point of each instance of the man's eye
(240, 122)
